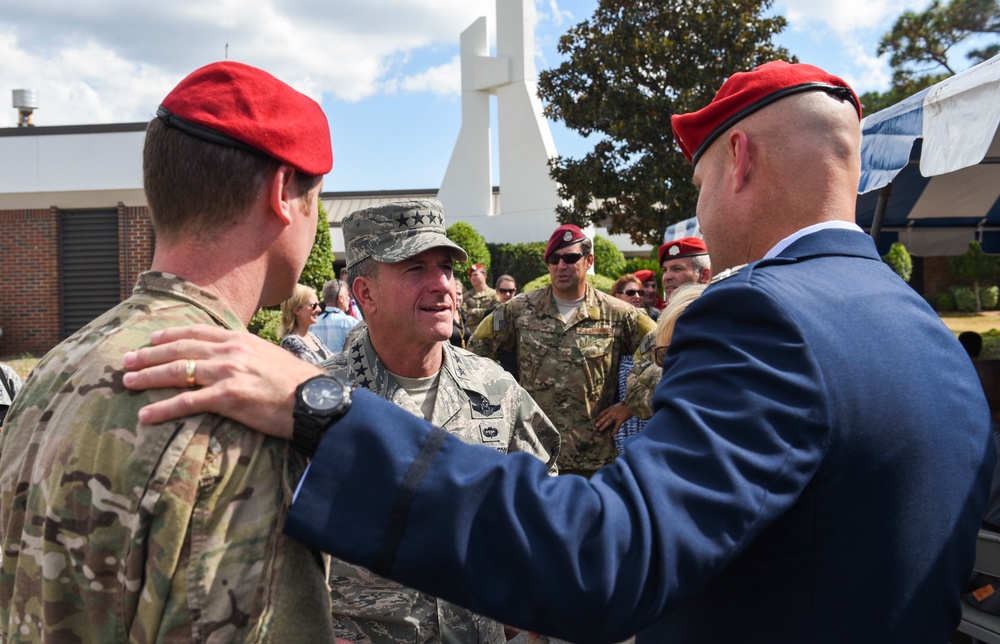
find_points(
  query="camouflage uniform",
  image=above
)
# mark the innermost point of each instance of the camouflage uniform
(642, 380)
(475, 306)
(570, 368)
(479, 403)
(114, 530)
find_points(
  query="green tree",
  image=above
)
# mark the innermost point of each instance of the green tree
(628, 69)
(899, 260)
(522, 261)
(975, 266)
(920, 46)
(469, 239)
(608, 260)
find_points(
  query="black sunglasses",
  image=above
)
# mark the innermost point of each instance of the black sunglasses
(569, 258)
(314, 306)
(633, 292)
(507, 291)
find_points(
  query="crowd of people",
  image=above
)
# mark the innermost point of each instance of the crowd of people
(802, 475)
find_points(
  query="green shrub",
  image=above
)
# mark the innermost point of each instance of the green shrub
(991, 345)
(944, 302)
(965, 298)
(642, 264)
(608, 260)
(265, 323)
(469, 239)
(899, 260)
(600, 282)
(989, 296)
(319, 266)
(523, 261)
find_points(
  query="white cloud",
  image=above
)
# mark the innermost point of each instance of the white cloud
(113, 60)
(443, 80)
(844, 17)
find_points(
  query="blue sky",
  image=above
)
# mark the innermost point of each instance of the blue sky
(385, 71)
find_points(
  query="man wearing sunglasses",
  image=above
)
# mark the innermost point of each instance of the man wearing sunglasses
(569, 339)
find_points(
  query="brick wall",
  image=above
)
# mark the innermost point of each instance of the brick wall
(29, 267)
(30, 297)
(135, 243)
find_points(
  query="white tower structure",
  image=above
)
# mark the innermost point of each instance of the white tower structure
(528, 195)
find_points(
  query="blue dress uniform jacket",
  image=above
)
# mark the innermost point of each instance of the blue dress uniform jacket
(815, 471)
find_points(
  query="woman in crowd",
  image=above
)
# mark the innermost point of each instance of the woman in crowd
(627, 288)
(298, 313)
(460, 333)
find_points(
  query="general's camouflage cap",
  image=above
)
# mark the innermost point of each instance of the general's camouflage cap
(398, 230)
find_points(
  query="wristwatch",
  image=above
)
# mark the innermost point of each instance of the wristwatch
(318, 401)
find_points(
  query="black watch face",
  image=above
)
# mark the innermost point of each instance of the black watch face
(322, 394)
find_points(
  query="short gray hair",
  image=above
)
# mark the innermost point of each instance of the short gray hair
(700, 262)
(331, 290)
(368, 268)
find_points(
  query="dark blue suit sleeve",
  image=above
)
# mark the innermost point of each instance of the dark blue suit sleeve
(740, 425)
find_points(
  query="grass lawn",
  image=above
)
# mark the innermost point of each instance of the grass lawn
(978, 322)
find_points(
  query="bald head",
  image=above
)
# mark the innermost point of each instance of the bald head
(791, 164)
(809, 142)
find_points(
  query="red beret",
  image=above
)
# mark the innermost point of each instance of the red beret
(564, 235)
(683, 247)
(476, 267)
(645, 275)
(243, 107)
(746, 92)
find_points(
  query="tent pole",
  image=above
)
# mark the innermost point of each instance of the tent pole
(883, 202)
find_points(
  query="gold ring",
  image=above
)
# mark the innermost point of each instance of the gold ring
(189, 370)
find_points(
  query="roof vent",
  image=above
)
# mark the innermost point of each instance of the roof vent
(26, 102)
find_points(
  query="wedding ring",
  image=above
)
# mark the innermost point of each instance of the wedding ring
(189, 370)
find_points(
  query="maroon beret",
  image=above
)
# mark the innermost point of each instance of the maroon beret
(563, 236)
(683, 247)
(744, 93)
(476, 267)
(645, 275)
(239, 106)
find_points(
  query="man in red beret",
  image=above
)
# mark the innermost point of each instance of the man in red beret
(556, 330)
(684, 261)
(815, 469)
(116, 530)
(651, 300)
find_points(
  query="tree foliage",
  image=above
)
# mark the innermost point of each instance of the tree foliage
(921, 43)
(899, 260)
(608, 260)
(522, 261)
(473, 243)
(628, 69)
(975, 266)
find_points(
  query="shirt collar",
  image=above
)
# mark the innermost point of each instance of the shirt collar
(808, 230)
